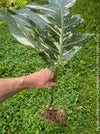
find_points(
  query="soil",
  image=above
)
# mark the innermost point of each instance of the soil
(53, 115)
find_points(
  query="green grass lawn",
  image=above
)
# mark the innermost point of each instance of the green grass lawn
(77, 83)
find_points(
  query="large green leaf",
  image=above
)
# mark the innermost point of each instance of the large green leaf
(2, 18)
(2, 14)
(50, 29)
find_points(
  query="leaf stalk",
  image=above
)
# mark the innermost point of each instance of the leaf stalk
(56, 72)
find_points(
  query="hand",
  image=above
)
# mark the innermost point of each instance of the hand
(41, 79)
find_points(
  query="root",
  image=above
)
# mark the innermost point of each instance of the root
(53, 115)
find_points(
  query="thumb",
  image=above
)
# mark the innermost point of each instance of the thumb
(51, 84)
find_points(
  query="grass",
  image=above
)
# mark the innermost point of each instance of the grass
(18, 3)
(77, 83)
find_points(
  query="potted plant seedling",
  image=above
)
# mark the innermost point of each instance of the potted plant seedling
(52, 31)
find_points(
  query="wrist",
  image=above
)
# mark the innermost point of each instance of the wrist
(19, 83)
(28, 81)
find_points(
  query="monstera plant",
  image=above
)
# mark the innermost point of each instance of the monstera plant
(51, 30)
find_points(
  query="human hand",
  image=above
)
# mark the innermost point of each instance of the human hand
(40, 79)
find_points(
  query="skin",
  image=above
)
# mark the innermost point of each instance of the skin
(11, 86)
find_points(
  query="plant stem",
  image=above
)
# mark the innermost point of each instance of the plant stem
(57, 68)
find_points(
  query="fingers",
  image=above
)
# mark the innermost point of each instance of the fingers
(50, 84)
(50, 74)
(46, 78)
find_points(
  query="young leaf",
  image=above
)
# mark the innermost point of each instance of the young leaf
(50, 29)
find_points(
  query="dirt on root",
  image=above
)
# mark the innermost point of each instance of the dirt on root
(53, 115)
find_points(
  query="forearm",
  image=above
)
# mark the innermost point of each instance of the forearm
(10, 86)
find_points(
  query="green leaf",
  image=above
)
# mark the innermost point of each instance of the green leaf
(50, 29)
(2, 17)
(2, 14)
